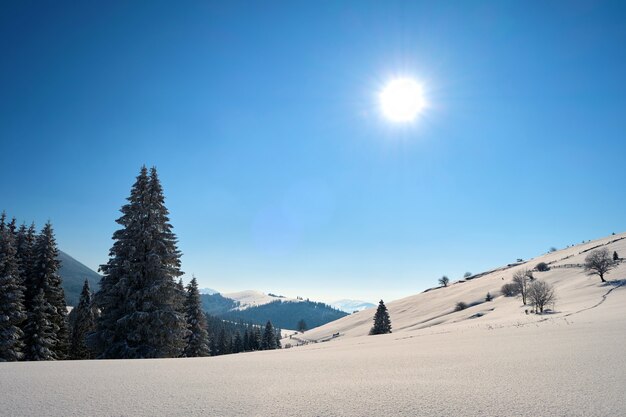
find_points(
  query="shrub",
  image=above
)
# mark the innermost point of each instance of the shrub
(444, 280)
(488, 297)
(460, 306)
(542, 267)
(467, 275)
(615, 256)
(510, 290)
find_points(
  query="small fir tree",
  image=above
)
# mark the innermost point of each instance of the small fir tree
(46, 277)
(302, 326)
(615, 256)
(83, 319)
(488, 297)
(382, 322)
(40, 331)
(197, 338)
(269, 337)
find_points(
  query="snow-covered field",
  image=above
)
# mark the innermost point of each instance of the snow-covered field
(437, 362)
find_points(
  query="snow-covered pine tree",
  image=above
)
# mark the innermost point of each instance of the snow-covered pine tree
(138, 293)
(46, 277)
(25, 243)
(269, 337)
(198, 337)
(279, 336)
(40, 331)
(382, 322)
(238, 343)
(12, 313)
(83, 321)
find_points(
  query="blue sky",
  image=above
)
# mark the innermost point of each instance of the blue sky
(279, 170)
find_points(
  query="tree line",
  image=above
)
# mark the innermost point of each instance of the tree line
(140, 310)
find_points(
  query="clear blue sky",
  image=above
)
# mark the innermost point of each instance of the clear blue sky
(279, 171)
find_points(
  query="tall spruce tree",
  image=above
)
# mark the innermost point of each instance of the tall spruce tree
(382, 322)
(269, 337)
(138, 296)
(40, 331)
(46, 277)
(12, 313)
(83, 322)
(198, 337)
(25, 243)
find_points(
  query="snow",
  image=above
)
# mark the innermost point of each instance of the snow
(252, 298)
(437, 362)
(350, 306)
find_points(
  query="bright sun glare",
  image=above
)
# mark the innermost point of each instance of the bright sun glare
(402, 99)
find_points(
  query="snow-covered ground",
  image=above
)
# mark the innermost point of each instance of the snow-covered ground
(437, 362)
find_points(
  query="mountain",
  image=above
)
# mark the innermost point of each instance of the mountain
(73, 274)
(350, 306)
(209, 291)
(258, 307)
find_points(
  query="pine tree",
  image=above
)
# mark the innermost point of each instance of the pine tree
(83, 320)
(488, 297)
(138, 292)
(382, 323)
(198, 337)
(238, 343)
(25, 243)
(269, 337)
(615, 256)
(302, 326)
(46, 277)
(12, 312)
(40, 331)
(279, 336)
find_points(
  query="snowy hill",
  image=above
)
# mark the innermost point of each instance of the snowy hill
(491, 359)
(350, 306)
(253, 298)
(434, 309)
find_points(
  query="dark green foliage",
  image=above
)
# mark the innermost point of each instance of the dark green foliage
(615, 256)
(215, 304)
(287, 314)
(382, 322)
(460, 306)
(12, 312)
(542, 267)
(236, 336)
(25, 242)
(45, 276)
(40, 331)
(269, 337)
(138, 294)
(302, 326)
(82, 322)
(197, 340)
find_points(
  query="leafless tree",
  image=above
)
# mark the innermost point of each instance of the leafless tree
(540, 294)
(599, 262)
(444, 280)
(522, 280)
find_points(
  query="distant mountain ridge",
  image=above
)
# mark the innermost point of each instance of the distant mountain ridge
(73, 273)
(350, 306)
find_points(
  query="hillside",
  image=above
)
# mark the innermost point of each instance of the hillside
(257, 307)
(437, 362)
(73, 274)
(434, 309)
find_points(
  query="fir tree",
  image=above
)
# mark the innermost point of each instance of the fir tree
(269, 337)
(40, 331)
(198, 337)
(382, 323)
(138, 296)
(238, 343)
(302, 326)
(25, 244)
(279, 336)
(46, 277)
(12, 313)
(488, 297)
(615, 256)
(83, 320)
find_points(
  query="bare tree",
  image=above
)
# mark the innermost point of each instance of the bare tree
(540, 294)
(599, 262)
(444, 280)
(522, 280)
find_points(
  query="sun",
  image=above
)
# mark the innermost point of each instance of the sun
(402, 100)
